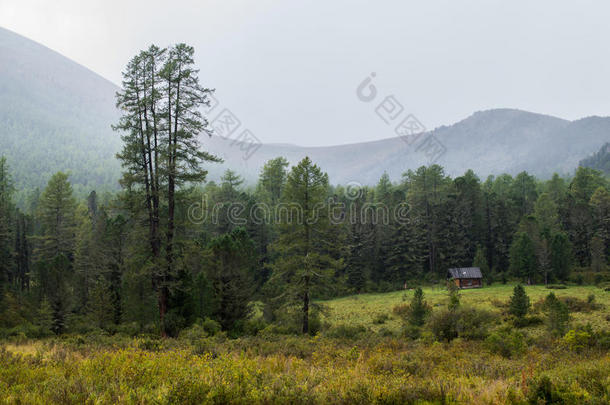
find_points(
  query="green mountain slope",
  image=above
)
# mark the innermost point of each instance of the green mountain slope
(600, 160)
(55, 115)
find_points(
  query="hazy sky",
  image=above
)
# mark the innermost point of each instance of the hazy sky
(289, 69)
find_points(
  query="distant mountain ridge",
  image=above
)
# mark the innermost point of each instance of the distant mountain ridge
(56, 115)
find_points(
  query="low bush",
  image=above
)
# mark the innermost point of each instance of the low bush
(556, 286)
(149, 344)
(410, 331)
(346, 331)
(506, 342)
(543, 391)
(381, 318)
(25, 331)
(578, 305)
(531, 320)
(465, 322)
(401, 310)
(583, 337)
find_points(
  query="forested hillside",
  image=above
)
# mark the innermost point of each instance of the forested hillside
(55, 115)
(599, 160)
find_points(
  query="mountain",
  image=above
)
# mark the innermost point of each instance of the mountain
(56, 115)
(489, 142)
(600, 160)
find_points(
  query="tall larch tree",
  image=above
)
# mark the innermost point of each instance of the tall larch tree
(303, 230)
(161, 99)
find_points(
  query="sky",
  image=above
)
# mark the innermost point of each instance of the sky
(289, 70)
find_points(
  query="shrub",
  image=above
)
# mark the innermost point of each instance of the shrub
(499, 304)
(583, 336)
(528, 321)
(173, 322)
(474, 323)
(506, 342)
(556, 287)
(200, 330)
(346, 331)
(401, 310)
(464, 322)
(557, 315)
(544, 392)
(411, 331)
(380, 318)
(290, 318)
(210, 326)
(574, 304)
(253, 326)
(385, 332)
(149, 343)
(577, 340)
(443, 324)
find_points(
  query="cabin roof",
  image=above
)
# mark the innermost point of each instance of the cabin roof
(465, 272)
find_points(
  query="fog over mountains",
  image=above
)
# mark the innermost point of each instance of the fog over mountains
(57, 115)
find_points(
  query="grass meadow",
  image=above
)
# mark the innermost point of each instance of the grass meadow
(359, 357)
(366, 308)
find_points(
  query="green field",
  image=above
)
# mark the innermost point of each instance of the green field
(371, 362)
(362, 309)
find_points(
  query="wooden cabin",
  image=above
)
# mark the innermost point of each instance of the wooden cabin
(466, 277)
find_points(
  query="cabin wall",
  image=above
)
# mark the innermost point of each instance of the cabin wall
(468, 282)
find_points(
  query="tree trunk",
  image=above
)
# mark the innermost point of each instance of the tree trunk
(163, 300)
(306, 309)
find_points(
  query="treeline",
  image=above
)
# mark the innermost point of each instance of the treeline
(170, 249)
(69, 265)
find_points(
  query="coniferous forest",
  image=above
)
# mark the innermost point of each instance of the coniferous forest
(182, 290)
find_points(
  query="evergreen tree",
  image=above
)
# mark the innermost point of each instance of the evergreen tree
(546, 213)
(600, 203)
(557, 315)
(273, 179)
(454, 296)
(427, 192)
(232, 261)
(561, 256)
(6, 225)
(161, 100)
(53, 278)
(523, 193)
(101, 305)
(300, 263)
(23, 251)
(480, 261)
(598, 255)
(519, 302)
(57, 213)
(523, 261)
(356, 276)
(418, 309)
